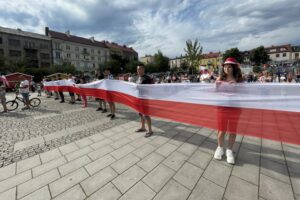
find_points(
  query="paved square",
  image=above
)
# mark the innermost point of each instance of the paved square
(63, 151)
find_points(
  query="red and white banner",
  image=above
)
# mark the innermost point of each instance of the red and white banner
(270, 111)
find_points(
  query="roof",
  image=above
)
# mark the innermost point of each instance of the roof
(23, 33)
(211, 55)
(296, 48)
(18, 73)
(117, 46)
(76, 39)
(279, 48)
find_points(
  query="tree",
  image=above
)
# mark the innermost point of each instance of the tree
(131, 66)
(257, 69)
(193, 52)
(234, 52)
(184, 65)
(161, 62)
(259, 55)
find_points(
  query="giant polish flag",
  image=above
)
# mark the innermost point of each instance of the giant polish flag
(270, 111)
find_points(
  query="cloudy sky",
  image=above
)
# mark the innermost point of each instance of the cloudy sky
(162, 24)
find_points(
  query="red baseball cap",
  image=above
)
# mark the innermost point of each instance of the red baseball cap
(231, 60)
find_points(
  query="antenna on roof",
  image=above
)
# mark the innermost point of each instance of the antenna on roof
(67, 33)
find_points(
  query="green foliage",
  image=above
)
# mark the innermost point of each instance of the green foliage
(235, 53)
(259, 55)
(131, 66)
(114, 66)
(193, 52)
(257, 69)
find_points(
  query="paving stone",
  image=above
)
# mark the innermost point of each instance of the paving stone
(240, 189)
(124, 163)
(128, 178)
(175, 160)
(28, 143)
(206, 189)
(117, 136)
(187, 149)
(75, 193)
(123, 151)
(173, 191)
(7, 171)
(15, 180)
(157, 142)
(249, 156)
(139, 192)
(150, 162)
(273, 189)
(94, 155)
(120, 143)
(94, 138)
(144, 150)
(295, 179)
(273, 154)
(28, 163)
(9, 194)
(36, 183)
(208, 147)
(188, 175)
(74, 165)
(196, 139)
(50, 155)
(139, 142)
(41, 169)
(67, 182)
(108, 192)
(98, 180)
(157, 178)
(274, 170)
(246, 171)
(217, 173)
(99, 164)
(78, 153)
(83, 142)
(166, 149)
(101, 143)
(200, 159)
(68, 148)
(41, 194)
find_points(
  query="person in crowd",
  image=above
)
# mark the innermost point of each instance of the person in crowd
(77, 81)
(61, 93)
(298, 76)
(102, 103)
(2, 95)
(205, 76)
(24, 91)
(72, 95)
(131, 78)
(111, 104)
(227, 117)
(83, 97)
(39, 89)
(144, 79)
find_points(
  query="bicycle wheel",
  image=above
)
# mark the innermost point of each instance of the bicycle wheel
(12, 105)
(34, 102)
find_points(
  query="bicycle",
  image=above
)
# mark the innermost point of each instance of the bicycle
(13, 104)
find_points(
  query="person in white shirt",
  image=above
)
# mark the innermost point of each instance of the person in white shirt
(24, 91)
(205, 77)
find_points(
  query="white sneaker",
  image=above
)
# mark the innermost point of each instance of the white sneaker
(230, 156)
(219, 153)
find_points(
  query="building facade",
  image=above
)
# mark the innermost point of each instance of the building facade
(17, 45)
(124, 51)
(177, 62)
(211, 60)
(86, 55)
(281, 54)
(147, 59)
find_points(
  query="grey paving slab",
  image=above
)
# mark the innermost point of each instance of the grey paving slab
(274, 189)
(124, 163)
(38, 182)
(295, 179)
(15, 180)
(275, 170)
(99, 164)
(130, 177)
(41, 169)
(188, 175)
(166, 149)
(101, 143)
(175, 160)
(239, 189)
(139, 142)
(246, 171)
(173, 191)
(187, 149)
(98, 180)
(40, 194)
(157, 142)
(206, 189)
(68, 148)
(139, 192)
(59, 186)
(151, 161)
(75, 193)
(78, 153)
(7, 171)
(91, 139)
(196, 139)
(28, 143)
(9, 194)
(94, 155)
(119, 143)
(108, 192)
(50, 155)
(157, 178)
(29, 163)
(144, 150)
(249, 156)
(200, 159)
(123, 151)
(217, 173)
(208, 147)
(74, 165)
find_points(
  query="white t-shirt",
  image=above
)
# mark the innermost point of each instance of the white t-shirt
(24, 83)
(205, 78)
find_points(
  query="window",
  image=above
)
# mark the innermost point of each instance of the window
(45, 56)
(0, 40)
(14, 42)
(76, 48)
(68, 47)
(1, 52)
(284, 55)
(45, 64)
(77, 56)
(277, 55)
(68, 55)
(57, 55)
(92, 50)
(99, 52)
(43, 46)
(57, 46)
(14, 53)
(296, 55)
(92, 58)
